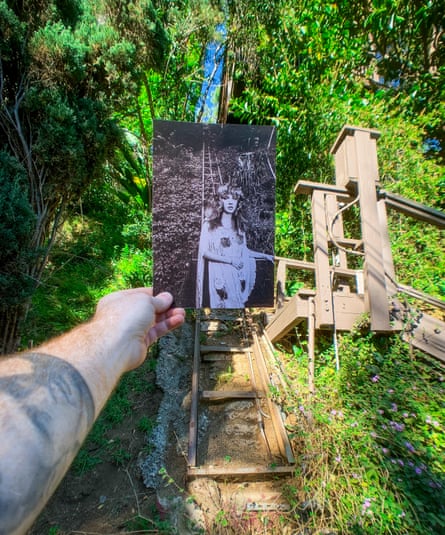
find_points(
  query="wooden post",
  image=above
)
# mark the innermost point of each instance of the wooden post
(281, 283)
(355, 154)
(311, 345)
(325, 315)
(193, 425)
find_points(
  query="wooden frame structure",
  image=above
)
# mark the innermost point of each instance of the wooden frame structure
(344, 293)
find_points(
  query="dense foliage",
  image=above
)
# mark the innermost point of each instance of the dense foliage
(65, 70)
(312, 68)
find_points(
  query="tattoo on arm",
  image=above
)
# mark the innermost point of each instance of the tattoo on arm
(45, 415)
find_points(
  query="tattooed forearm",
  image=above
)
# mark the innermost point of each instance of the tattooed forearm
(47, 410)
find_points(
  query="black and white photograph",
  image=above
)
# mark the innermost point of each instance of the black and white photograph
(214, 214)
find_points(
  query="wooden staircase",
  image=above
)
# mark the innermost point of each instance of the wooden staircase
(343, 295)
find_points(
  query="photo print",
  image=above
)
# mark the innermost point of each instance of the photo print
(214, 214)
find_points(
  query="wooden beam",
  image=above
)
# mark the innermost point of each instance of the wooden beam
(223, 349)
(414, 209)
(355, 154)
(193, 425)
(368, 176)
(323, 299)
(232, 472)
(336, 232)
(215, 395)
(306, 187)
(274, 411)
(294, 312)
(281, 283)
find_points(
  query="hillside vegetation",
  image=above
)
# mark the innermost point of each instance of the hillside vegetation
(80, 84)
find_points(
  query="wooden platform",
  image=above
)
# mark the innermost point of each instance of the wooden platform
(294, 311)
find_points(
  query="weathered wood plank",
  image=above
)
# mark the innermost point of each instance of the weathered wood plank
(368, 176)
(223, 349)
(214, 395)
(230, 472)
(193, 424)
(294, 311)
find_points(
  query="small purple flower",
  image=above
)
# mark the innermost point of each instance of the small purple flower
(338, 459)
(373, 434)
(393, 407)
(400, 461)
(390, 391)
(406, 415)
(381, 411)
(418, 470)
(375, 379)
(397, 426)
(410, 447)
(385, 451)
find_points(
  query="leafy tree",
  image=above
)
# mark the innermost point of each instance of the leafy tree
(65, 69)
(310, 68)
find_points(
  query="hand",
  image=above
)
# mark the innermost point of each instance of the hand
(138, 319)
(237, 264)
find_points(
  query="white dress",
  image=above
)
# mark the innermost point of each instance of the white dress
(229, 287)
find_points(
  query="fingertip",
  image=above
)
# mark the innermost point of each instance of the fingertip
(163, 301)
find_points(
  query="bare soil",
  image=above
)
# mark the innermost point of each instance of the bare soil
(109, 498)
(113, 496)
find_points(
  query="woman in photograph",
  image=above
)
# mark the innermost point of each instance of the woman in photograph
(231, 265)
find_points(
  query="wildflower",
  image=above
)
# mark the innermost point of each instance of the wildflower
(354, 424)
(385, 451)
(338, 459)
(381, 411)
(375, 379)
(405, 415)
(365, 506)
(373, 434)
(391, 391)
(400, 461)
(393, 407)
(402, 514)
(410, 447)
(397, 426)
(418, 470)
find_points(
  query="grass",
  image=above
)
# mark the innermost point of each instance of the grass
(370, 442)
